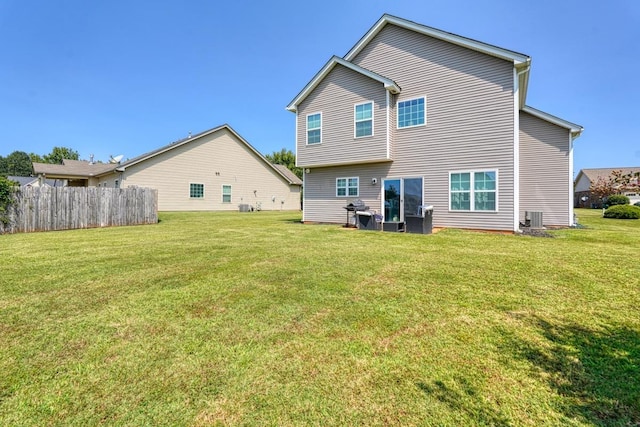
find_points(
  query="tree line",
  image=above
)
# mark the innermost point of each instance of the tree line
(19, 163)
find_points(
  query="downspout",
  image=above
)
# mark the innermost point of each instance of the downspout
(572, 217)
(304, 171)
(388, 122)
(516, 145)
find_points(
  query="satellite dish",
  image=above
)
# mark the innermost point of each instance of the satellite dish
(116, 159)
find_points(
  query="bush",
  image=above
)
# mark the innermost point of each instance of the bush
(623, 212)
(617, 199)
(636, 204)
(7, 189)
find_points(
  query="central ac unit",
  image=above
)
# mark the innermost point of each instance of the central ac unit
(533, 219)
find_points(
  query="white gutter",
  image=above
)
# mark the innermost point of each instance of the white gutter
(388, 124)
(572, 221)
(516, 145)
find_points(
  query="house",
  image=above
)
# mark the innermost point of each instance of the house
(413, 115)
(214, 170)
(30, 181)
(582, 184)
(73, 173)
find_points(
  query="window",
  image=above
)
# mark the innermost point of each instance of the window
(196, 191)
(473, 191)
(347, 187)
(226, 194)
(117, 184)
(411, 113)
(314, 128)
(363, 119)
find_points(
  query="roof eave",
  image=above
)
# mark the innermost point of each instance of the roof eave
(388, 84)
(498, 52)
(576, 130)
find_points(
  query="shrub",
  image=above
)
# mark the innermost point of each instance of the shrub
(617, 199)
(623, 212)
(636, 204)
(6, 198)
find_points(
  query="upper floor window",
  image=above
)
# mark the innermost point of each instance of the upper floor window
(473, 191)
(196, 191)
(226, 194)
(411, 113)
(363, 119)
(314, 128)
(347, 187)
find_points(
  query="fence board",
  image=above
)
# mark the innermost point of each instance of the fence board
(63, 208)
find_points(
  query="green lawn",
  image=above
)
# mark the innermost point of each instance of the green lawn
(256, 319)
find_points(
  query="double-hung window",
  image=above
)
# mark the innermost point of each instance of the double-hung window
(347, 187)
(412, 112)
(363, 119)
(196, 191)
(314, 128)
(226, 194)
(473, 191)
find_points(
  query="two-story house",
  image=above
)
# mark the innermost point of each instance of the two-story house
(412, 116)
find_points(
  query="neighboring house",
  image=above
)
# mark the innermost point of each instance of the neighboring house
(213, 170)
(583, 197)
(75, 173)
(415, 116)
(30, 181)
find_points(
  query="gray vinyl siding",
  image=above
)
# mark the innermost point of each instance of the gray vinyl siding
(214, 160)
(321, 203)
(469, 123)
(335, 98)
(544, 170)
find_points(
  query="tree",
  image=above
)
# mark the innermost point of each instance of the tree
(17, 163)
(37, 158)
(616, 183)
(59, 153)
(287, 158)
(602, 187)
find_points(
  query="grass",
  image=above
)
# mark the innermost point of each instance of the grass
(256, 319)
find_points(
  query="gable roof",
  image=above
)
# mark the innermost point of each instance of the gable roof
(192, 138)
(593, 174)
(520, 61)
(84, 169)
(575, 129)
(389, 84)
(73, 168)
(30, 180)
(286, 171)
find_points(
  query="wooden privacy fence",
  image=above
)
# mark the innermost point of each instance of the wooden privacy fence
(63, 208)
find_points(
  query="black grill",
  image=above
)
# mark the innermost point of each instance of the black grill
(356, 205)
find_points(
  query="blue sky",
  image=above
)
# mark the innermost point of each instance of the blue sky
(126, 77)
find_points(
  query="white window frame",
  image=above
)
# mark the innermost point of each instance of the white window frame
(356, 121)
(424, 116)
(347, 186)
(318, 128)
(190, 193)
(230, 193)
(472, 190)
